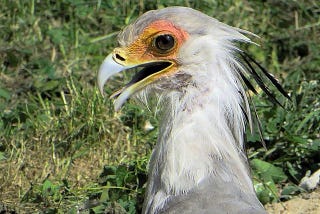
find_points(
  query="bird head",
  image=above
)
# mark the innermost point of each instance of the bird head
(156, 49)
(175, 47)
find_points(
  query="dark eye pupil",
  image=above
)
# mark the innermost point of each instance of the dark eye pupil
(164, 42)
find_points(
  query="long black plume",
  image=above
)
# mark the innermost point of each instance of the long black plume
(259, 81)
(269, 76)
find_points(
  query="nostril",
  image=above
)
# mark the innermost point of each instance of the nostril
(120, 57)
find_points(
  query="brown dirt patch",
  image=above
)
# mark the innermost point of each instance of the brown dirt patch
(307, 203)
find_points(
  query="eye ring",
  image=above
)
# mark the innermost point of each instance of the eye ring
(164, 42)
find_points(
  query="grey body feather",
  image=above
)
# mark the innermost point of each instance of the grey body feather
(218, 198)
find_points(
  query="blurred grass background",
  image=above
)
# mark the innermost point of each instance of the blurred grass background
(62, 146)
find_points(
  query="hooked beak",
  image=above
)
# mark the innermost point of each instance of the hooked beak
(151, 72)
(108, 68)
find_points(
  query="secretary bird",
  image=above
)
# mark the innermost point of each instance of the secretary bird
(193, 67)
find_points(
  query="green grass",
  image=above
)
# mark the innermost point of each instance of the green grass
(62, 146)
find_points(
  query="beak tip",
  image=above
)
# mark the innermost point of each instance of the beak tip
(100, 87)
(101, 90)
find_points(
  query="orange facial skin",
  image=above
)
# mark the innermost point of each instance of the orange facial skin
(142, 50)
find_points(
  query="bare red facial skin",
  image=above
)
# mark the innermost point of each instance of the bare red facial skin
(142, 48)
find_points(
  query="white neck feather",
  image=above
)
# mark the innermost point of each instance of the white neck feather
(202, 129)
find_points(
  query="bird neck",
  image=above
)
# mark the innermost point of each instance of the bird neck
(201, 140)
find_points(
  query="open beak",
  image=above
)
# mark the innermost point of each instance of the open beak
(151, 72)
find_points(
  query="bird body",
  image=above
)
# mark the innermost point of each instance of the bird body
(199, 164)
(194, 159)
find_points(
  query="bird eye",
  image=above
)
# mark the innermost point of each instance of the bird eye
(164, 42)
